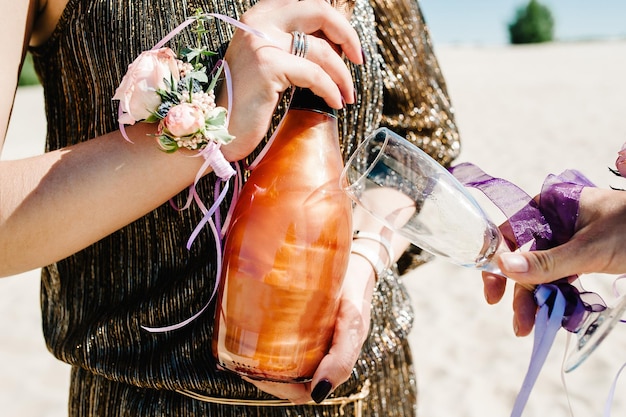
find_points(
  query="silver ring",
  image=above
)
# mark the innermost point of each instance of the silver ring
(386, 245)
(300, 45)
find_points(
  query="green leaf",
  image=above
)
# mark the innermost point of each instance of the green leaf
(207, 53)
(200, 76)
(193, 53)
(171, 96)
(220, 134)
(167, 144)
(215, 78)
(218, 118)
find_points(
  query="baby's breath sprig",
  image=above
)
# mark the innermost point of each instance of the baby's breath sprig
(197, 56)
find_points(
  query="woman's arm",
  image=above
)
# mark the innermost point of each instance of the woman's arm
(56, 204)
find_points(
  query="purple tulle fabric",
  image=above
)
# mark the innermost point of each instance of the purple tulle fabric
(542, 223)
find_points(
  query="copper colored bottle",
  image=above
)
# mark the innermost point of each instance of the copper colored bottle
(286, 252)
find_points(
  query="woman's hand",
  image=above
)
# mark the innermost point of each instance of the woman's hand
(351, 330)
(597, 246)
(261, 70)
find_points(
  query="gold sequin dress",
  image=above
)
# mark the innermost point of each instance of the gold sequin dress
(94, 302)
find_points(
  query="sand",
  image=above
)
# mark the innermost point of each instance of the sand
(524, 112)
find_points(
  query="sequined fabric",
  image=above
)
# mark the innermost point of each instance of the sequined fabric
(416, 104)
(94, 302)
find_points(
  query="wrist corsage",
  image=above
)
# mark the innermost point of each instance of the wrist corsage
(177, 92)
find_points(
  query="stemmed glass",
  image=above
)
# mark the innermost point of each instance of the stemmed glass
(435, 212)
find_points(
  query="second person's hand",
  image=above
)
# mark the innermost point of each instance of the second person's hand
(597, 246)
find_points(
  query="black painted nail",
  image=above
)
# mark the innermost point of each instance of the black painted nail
(363, 55)
(321, 391)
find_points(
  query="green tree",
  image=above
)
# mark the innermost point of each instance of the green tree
(532, 24)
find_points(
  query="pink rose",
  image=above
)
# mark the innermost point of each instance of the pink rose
(184, 119)
(137, 92)
(620, 164)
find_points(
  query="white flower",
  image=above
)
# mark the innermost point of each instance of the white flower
(137, 92)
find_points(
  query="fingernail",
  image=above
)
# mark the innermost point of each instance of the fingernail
(363, 55)
(321, 391)
(514, 262)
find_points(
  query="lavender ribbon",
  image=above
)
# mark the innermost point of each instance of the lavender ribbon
(543, 223)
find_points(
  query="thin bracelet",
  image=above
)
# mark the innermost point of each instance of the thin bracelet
(371, 257)
(357, 234)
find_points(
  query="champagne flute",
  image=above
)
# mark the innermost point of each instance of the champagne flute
(440, 216)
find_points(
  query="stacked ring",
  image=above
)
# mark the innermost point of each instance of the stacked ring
(384, 243)
(372, 256)
(300, 45)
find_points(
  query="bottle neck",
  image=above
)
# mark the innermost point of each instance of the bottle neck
(304, 99)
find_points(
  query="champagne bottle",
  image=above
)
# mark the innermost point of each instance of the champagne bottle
(286, 252)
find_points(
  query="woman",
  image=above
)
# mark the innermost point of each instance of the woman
(114, 248)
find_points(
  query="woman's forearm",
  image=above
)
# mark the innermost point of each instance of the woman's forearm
(58, 203)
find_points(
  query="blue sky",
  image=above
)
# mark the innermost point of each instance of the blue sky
(485, 21)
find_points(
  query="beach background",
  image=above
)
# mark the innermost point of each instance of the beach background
(524, 112)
